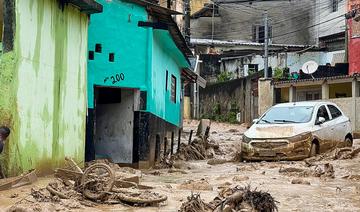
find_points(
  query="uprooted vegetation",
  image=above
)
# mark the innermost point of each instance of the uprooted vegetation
(232, 199)
(199, 148)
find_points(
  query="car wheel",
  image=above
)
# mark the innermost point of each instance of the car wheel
(348, 142)
(312, 150)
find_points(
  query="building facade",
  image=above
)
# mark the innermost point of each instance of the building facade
(354, 38)
(43, 82)
(137, 60)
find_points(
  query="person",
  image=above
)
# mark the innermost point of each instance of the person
(4, 133)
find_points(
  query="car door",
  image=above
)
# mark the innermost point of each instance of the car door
(323, 131)
(338, 123)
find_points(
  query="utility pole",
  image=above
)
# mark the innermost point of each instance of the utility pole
(212, 22)
(266, 45)
(187, 20)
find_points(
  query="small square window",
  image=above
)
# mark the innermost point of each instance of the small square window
(173, 88)
(98, 48)
(91, 55)
(112, 57)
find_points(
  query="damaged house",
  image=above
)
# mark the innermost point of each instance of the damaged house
(137, 67)
(43, 82)
(229, 38)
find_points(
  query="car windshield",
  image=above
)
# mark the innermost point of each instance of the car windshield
(293, 114)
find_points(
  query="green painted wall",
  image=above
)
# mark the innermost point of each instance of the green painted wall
(142, 55)
(43, 87)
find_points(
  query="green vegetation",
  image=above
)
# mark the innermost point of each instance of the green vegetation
(217, 115)
(224, 76)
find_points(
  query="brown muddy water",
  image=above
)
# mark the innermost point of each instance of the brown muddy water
(323, 194)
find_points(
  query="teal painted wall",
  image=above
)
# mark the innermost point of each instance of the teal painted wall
(43, 87)
(117, 31)
(166, 57)
(142, 55)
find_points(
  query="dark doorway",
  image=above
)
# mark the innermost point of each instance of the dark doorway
(114, 124)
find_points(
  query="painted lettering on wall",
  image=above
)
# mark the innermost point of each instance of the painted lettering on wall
(115, 78)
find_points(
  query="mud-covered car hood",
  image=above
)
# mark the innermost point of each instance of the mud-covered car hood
(260, 131)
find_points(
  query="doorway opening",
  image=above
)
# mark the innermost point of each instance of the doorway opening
(114, 124)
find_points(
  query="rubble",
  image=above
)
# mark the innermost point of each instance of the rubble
(26, 178)
(99, 182)
(335, 154)
(324, 171)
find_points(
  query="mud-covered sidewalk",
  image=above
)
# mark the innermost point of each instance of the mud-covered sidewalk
(322, 184)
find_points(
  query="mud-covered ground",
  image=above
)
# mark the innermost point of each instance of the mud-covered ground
(313, 193)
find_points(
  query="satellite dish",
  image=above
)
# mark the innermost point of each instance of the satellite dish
(309, 67)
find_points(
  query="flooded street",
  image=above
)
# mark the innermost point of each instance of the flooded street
(309, 193)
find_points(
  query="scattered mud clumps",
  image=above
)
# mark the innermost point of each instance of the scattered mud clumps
(323, 171)
(217, 161)
(197, 185)
(233, 199)
(300, 181)
(239, 178)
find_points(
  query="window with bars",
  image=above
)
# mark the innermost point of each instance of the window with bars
(335, 5)
(258, 34)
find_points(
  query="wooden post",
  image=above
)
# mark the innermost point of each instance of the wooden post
(172, 143)
(165, 146)
(179, 140)
(191, 132)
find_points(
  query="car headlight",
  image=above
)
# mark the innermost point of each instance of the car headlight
(246, 139)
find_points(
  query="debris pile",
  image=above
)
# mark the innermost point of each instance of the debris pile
(194, 204)
(233, 199)
(335, 154)
(324, 171)
(346, 153)
(198, 149)
(98, 183)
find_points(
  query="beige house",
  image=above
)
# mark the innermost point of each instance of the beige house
(342, 90)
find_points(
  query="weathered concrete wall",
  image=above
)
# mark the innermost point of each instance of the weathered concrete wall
(233, 96)
(43, 86)
(334, 22)
(266, 95)
(236, 21)
(351, 108)
(357, 115)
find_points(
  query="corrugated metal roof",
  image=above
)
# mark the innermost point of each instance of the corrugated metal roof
(196, 41)
(316, 79)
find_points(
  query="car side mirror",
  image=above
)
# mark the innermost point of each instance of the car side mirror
(255, 120)
(320, 120)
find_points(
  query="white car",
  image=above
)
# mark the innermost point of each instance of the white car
(294, 131)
